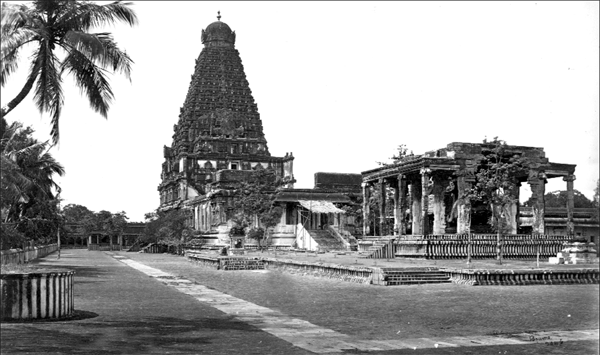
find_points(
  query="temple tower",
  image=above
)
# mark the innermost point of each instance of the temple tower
(219, 126)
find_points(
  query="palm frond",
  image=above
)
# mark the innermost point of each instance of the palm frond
(14, 34)
(48, 92)
(14, 15)
(85, 16)
(90, 79)
(84, 42)
(101, 49)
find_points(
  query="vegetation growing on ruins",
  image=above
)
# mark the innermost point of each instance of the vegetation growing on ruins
(49, 25)
(255, 202)
(495, 185)
(401, 155)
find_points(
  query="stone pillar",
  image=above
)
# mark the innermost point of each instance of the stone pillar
(570, 204)
(416, 195)
(400, 198)
(463, 225)
(396, 208)
(538, 190)
(513, 212)
(366, 192)
(439, 209)
(426, 186)
(382, 196)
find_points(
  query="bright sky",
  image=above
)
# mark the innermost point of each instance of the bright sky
(341, 85)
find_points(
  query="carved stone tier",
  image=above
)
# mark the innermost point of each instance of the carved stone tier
(219, 126)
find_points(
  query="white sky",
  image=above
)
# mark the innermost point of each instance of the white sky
(341, 85)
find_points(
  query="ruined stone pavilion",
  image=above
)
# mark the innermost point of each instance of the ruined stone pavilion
(426, 188)
(219, 138)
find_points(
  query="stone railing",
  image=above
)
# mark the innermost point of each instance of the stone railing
(483, 246)
(21, 256)
(485, 277)
(44, 294)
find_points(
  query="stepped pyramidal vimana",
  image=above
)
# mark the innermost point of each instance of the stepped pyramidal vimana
(219, 137)
(219, 124)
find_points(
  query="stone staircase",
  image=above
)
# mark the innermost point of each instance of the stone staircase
(376, 248)
(413, 276)
(326, 241)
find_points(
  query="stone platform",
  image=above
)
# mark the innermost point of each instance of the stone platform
(396, 272)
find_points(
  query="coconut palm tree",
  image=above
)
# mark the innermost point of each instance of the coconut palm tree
(28, 201)
(49, 25)
(27, 170)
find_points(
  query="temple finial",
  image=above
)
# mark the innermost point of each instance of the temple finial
(219, 15)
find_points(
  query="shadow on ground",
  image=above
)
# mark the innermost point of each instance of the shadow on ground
(122, 336)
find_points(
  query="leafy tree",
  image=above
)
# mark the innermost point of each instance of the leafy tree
(82, 216)
(52, 24)
(112, 224)
(28, 192)
(559, 199)
(255, 202)
(496, 184)
(169, 228)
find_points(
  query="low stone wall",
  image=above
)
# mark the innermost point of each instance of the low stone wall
(482, 277)
(104, 247)
(226, 262)
(202, 260)
(363, 275)
(22, 256)
(240, 263)
(37, 295)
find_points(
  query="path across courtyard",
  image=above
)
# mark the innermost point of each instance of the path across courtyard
(132, 303)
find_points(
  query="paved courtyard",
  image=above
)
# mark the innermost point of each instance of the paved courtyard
(132, 303)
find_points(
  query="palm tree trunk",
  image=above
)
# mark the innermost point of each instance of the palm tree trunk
(17, 100)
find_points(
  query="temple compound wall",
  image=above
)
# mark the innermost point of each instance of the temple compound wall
(427, 190)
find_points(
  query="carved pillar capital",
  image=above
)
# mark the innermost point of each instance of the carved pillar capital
(536, 177)
(425, 171)
(569, 178)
